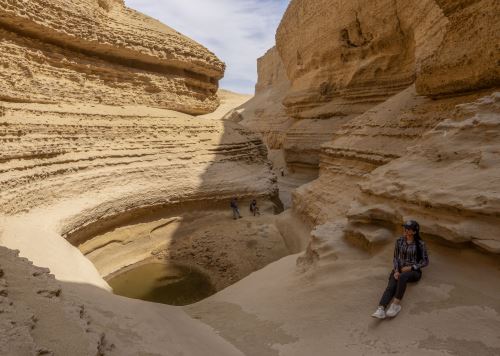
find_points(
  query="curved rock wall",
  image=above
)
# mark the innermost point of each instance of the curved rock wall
(373, 85)
(344, 66)
(448, 181)
(341, 69)
(101, 52)
(85, 136)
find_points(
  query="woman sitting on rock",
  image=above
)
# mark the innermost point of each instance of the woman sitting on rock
(410, 255)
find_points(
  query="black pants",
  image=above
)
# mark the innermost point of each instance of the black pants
(397, 287)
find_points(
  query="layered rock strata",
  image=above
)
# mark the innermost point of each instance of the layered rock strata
(448, 181)
(102, 52)
(265, 113)
(88, 142)
(340, 69)
(78, 165)
(345, 66)
(367, 142)
(366, 93)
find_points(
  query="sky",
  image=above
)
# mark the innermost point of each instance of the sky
(237, 31)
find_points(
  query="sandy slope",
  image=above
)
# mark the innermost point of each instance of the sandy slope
(332, 303)
(43, 316)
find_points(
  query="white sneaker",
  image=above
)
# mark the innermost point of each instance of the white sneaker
(393, 310)
(379, 313)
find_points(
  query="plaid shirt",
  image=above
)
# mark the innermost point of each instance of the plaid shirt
(406, 255)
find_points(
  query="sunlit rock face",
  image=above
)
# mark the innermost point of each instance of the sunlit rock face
(416, 157)
(467, 56)
(340, 69)
(98, 128)
(371, 86)
(448, 180)
(265, 113)
(102, 52)
(344, 66)
(375, 49)
(96, 121)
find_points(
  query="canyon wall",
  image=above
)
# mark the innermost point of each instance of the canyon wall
(86, 127)
(383, 99)
(340, 69)
(265, 113)
(97, 130)
(102, 52)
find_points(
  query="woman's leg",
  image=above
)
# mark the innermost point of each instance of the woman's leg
(404, 278)
(389, 292)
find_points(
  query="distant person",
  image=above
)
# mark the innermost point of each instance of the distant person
(410, 255)
(282, 171)
(254, 208)
(236, 211)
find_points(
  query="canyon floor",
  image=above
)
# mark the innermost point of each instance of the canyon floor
(118, 150)
(287, 307)
(282, 309)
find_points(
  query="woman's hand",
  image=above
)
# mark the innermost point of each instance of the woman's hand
(396, 275)
(406, 269)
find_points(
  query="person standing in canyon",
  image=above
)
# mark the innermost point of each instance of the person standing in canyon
(410, 255)
(236, 211)
(254, 209)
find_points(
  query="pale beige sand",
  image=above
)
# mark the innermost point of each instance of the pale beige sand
(43, 316)
(228, 101)
(282, 310)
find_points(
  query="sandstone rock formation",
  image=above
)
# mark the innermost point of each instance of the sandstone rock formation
(448, 180)
(265, 113)
(77, 165)
(395, 102)
(89, 141)
(451, 208)
(340, 69)
(356, 109)
(414, 134)
(102, 52)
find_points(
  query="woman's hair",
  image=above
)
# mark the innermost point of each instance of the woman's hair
(413, 225)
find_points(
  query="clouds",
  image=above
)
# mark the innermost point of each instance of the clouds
(237, 31)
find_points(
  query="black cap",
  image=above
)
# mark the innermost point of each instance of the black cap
(412, 225)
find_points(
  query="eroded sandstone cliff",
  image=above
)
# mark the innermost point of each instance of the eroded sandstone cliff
(101, 52)
(341, 69)
(368, 94)
(96, 130)
(265, 113)
(397, 103)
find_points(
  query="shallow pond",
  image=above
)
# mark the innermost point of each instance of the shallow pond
(162, 283)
